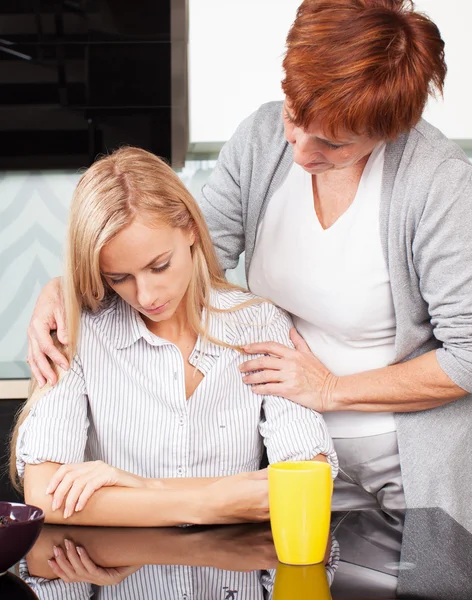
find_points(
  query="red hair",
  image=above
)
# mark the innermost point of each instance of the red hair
(362, 66)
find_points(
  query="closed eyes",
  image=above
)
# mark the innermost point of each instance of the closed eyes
(126, 277)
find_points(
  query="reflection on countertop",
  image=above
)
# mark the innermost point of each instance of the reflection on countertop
(422, 554)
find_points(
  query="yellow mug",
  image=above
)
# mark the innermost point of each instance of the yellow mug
(300, 510)
(301, 583)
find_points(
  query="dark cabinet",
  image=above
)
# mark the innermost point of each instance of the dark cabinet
(8, 410)
(82, 78)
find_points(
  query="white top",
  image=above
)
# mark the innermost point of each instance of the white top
(334, 282)
(123, 401)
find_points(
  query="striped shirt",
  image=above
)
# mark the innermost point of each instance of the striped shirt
(159, 582)
(123, 401)
(172, 582)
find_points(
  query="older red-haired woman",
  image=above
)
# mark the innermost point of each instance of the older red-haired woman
(355, 216)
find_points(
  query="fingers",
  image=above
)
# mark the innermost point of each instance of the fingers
(74, 559)
(259, 364)
(58, 572)
(272, 348)
(64, 480)
(80, 494)
(87, 562)
(62, 567)
(34, 369)
(270, 389)
(74, 484)
(298, 341)
(38, 357)
(40, 347)
(60, 316)
(57, 478)
(78, 487)
(74, 565)
(261, 377)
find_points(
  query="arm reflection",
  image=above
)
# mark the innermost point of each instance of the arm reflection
(232, 548)
(217, 562)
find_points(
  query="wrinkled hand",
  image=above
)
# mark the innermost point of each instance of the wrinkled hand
(75, 483)
(75, 565)
(48, 315)
(295, 374)
(242, 498)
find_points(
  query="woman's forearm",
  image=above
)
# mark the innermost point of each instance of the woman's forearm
(417, 384)
(120, 506)
(182, 483)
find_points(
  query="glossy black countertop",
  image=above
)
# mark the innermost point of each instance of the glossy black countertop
(420, 553)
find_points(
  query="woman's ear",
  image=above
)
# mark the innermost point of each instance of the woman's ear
(192, 237)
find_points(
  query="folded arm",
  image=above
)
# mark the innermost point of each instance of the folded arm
(237, 499)
(121, 506)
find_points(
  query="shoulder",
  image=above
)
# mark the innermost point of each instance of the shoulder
(106, 324)
(250, 316)
(268, 123)
(427, 168)
(264, 126)
(432, 141)
(428, 150)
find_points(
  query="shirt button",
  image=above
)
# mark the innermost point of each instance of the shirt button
(185, 597)
(180, 470)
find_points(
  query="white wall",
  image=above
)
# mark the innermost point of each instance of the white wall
(236, 49)
(454, 19)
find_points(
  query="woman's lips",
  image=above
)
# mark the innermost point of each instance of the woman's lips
(156, 311)
(313, 164)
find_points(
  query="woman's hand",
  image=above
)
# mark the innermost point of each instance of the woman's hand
(75, 483)
(294, 374)
(75, 565)
(48, 315)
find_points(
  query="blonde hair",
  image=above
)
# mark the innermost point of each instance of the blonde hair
(109, 196)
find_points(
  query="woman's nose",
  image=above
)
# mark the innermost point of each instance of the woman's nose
(304, 148)
(146, 295)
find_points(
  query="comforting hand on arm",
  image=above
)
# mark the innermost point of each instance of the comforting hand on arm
(297, 374)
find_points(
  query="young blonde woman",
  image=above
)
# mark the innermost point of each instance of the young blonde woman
(152, 424)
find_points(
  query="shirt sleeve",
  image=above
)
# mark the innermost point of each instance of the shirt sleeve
(442, 254)
(56, 428)
(55, 589)
(291, 431)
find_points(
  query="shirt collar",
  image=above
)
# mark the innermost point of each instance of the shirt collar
(130, 328)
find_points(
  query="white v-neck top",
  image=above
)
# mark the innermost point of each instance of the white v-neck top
(333, 281)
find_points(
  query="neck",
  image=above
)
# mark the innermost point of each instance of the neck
(173, 329)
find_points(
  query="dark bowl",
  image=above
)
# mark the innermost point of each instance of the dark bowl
(13, 588)
(17, 537)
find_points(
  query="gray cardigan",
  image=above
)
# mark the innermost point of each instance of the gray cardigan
(426, 224)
